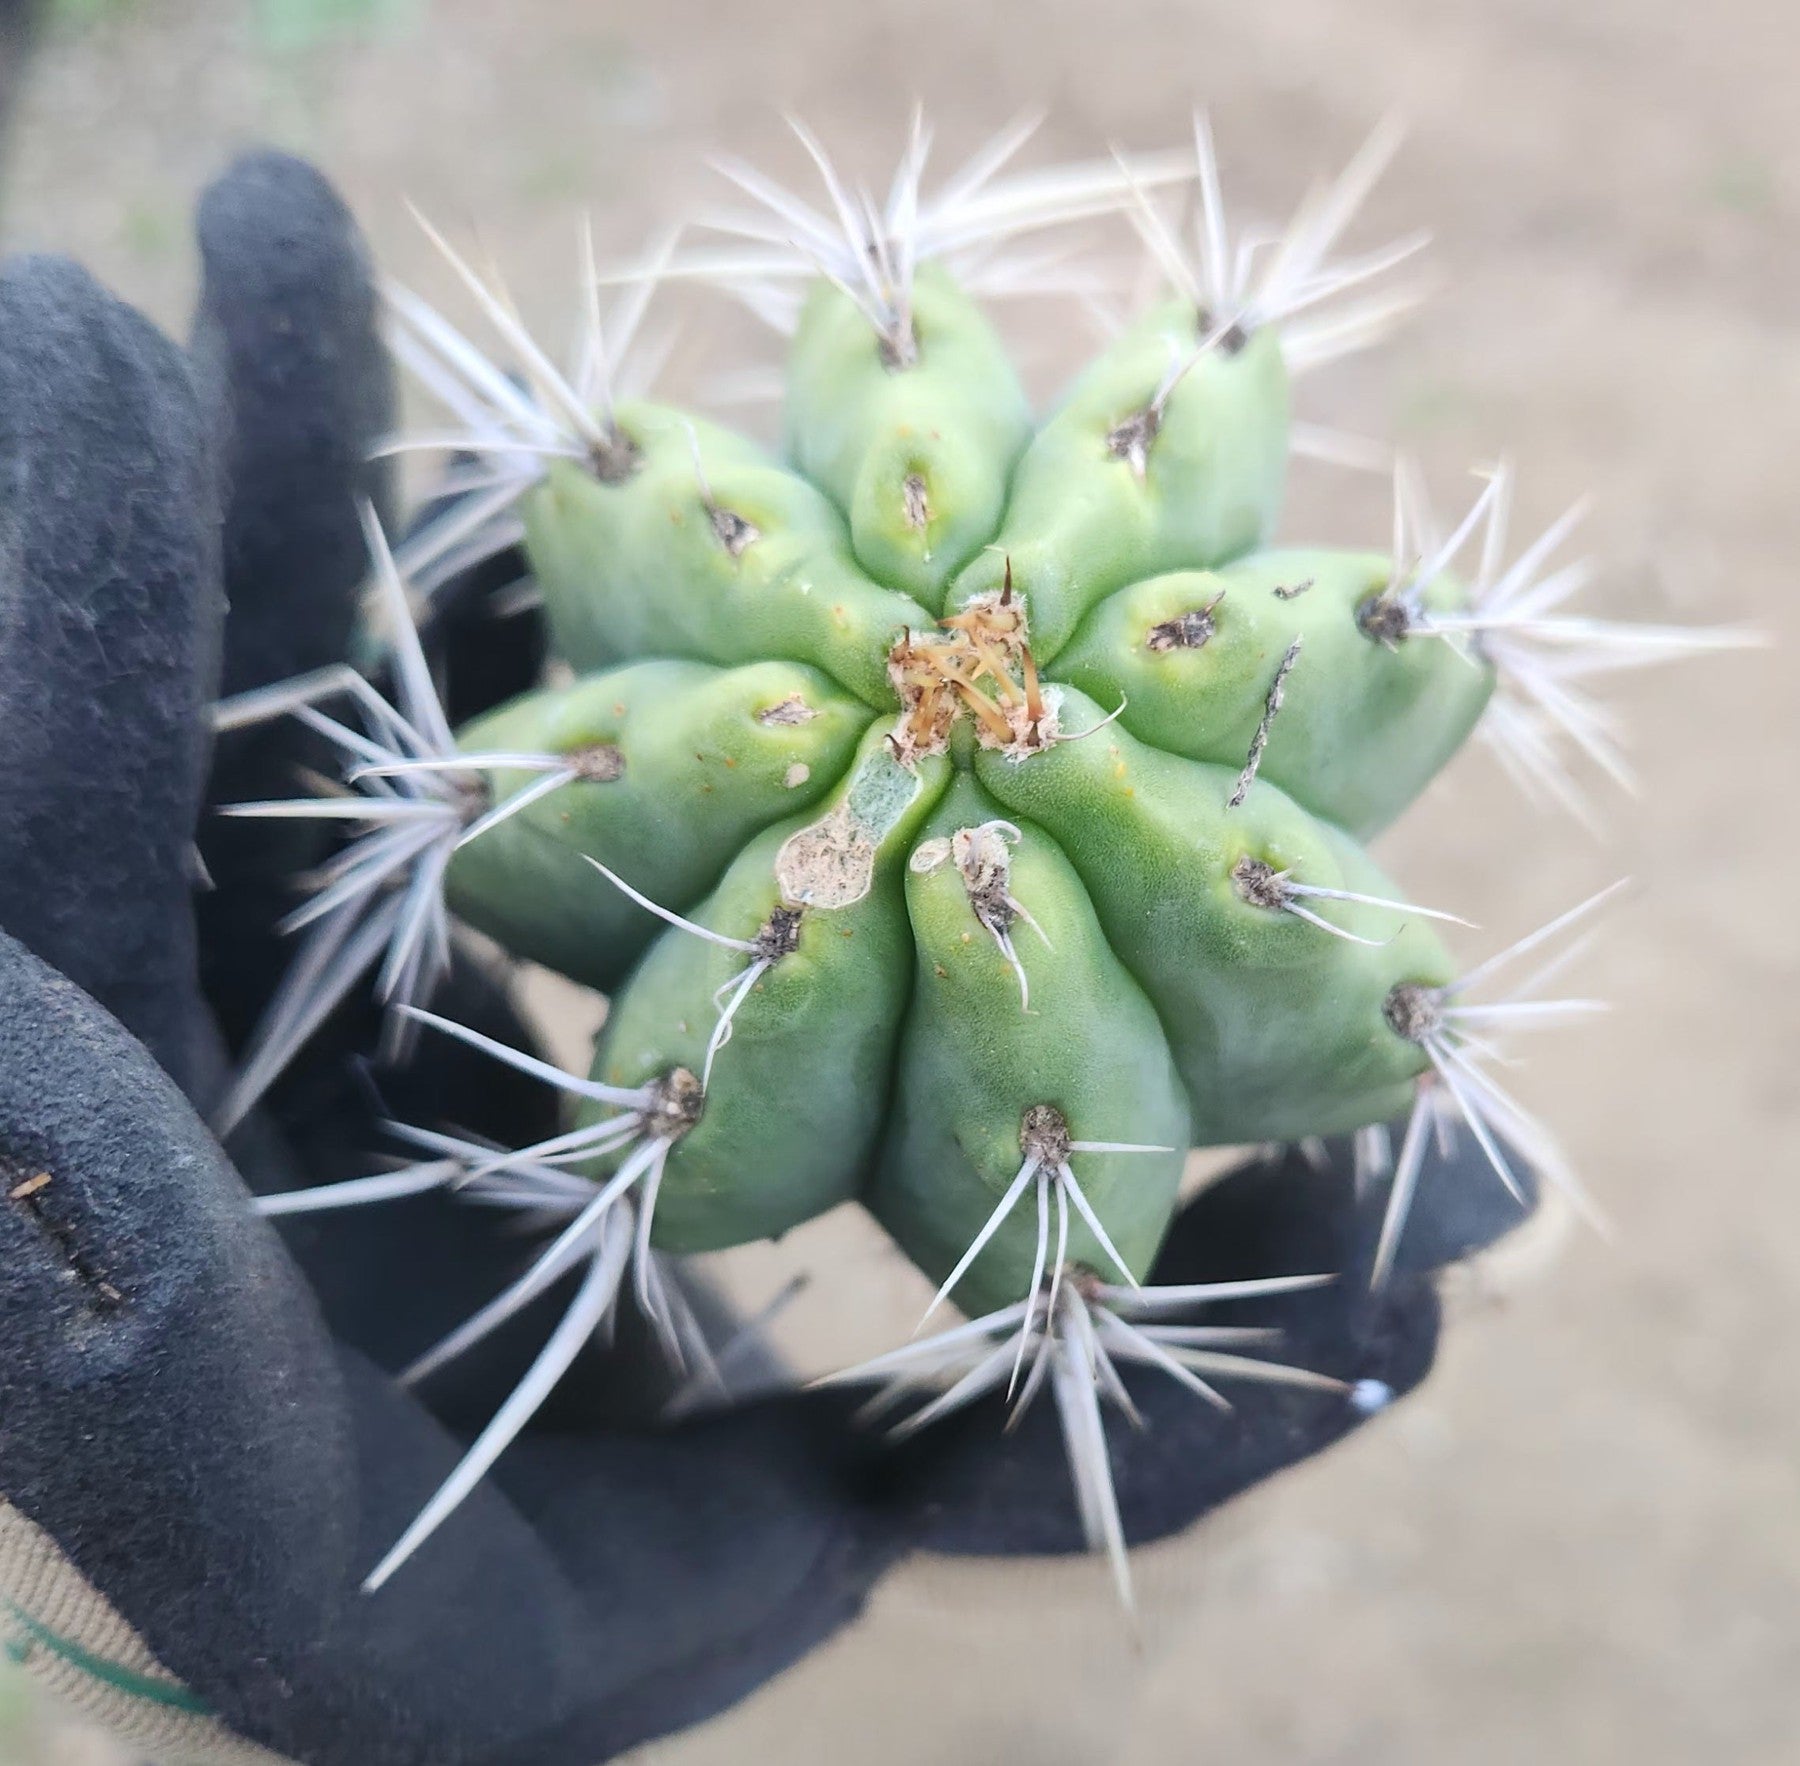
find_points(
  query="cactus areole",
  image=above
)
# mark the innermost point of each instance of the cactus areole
(967, 810)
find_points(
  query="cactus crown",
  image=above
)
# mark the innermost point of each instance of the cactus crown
(844, 721)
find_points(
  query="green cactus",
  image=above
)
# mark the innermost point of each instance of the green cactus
(966, 810)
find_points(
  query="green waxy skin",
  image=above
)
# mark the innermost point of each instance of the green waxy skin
(1364, 726)
(973, 1062)
(705, 758)
(1277, 1027)
(798, 1096)
(886, 1054)
(918, 453)
(641, 568)
(1083, 522)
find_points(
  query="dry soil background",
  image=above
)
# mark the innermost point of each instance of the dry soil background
(1582, 1542)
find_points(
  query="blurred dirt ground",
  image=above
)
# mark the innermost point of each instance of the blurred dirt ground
(1582, 1542)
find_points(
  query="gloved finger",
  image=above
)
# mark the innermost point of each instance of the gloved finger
(298, 387)
(175, 1418)
(978, 1487)
(111, 607)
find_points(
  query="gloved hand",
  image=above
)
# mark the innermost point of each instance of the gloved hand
(201, 1450)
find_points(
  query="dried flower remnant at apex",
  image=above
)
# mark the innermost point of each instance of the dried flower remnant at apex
(978, 663)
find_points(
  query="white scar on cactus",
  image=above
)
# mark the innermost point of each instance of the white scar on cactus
(513, 416)
(606, 1232)
(1517, 622)
(1073, 1330)
(870, 248)
(415, 799)
(1461, 1039)
(1282, 277)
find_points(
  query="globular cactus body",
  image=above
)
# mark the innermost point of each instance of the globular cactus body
(968, 813)
(1146, 863)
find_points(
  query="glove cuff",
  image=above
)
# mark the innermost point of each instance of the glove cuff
(70, 1640)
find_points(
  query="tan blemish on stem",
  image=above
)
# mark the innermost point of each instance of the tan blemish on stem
(732, 530)
(600, 763)
(831, 864)
(676, 1101)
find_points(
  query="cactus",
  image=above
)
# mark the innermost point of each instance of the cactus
(968, 812)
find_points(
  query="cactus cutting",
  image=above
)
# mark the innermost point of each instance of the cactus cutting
(966, 808)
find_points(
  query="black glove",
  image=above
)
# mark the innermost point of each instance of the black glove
(201, 1450)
